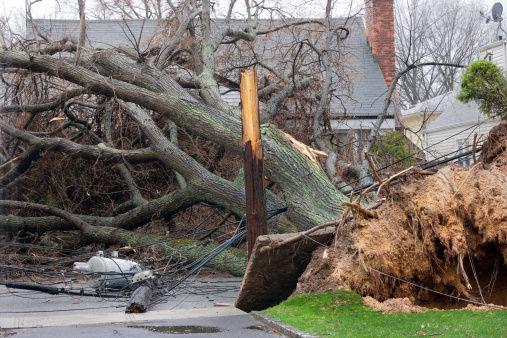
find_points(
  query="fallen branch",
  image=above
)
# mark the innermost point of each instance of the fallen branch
(223, 304)
(375, 174)
(427, 335)
(302, 235)
(363, 211)
(9, 162)
(376, 205)
(426, 172)
(461, 269)
(403, 172)
(474, 148)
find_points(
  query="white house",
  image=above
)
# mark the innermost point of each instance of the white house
(496, 48)
(444, 126)
(452, 132)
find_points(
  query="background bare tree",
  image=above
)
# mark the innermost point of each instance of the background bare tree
(435, 41)
(446, 32)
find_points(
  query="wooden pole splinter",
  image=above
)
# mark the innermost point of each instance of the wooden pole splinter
(253, 159)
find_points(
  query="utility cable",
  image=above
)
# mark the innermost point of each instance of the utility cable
(412, 155)
(426, 165)
(210, 257)
(53, 290)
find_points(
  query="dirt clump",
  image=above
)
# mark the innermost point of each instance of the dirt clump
(495, 144)
(420, 237)
(393, 305)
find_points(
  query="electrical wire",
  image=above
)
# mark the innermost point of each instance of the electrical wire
(193, 266)
(427, 165)
(42, 247)
(206, 260)
(413, 154)
(45, 266)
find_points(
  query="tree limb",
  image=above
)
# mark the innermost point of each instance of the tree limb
(23, 163)
(167, 50)
(82, 30)
(79, 150)
(85, 228)
(39, 108)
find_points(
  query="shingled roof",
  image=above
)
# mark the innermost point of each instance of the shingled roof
(366, 98)
(454, 113)
(369, 87)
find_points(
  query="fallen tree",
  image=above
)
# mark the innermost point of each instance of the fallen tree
(118, 112)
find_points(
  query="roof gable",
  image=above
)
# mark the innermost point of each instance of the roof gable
(453, 112)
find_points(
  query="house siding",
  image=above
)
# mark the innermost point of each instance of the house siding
(451, 144)
(497, 52)
(415, 126)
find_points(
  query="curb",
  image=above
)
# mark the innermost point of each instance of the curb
(280, 326)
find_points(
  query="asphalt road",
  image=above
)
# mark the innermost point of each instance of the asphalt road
(190, 311)
(222, 326)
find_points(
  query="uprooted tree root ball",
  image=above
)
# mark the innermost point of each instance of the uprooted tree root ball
(419, 237)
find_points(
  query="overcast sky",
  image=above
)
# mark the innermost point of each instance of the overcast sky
(15, 9)
(46, 8)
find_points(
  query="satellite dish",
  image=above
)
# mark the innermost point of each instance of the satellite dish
(496, 12)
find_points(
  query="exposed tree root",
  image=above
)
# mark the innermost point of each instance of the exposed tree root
(419, 237)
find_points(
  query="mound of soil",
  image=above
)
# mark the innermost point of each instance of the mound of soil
(393, 305)
(419, 237)
(495, 144)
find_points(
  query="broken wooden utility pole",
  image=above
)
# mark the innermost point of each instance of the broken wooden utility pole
(141, 298)
(253, 159)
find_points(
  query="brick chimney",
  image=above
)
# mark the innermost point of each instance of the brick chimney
(379, 17)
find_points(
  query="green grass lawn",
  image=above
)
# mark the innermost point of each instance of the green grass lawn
(342, 313)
